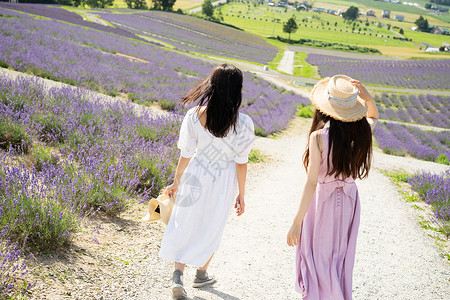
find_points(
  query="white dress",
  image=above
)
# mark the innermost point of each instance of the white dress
(207, 189)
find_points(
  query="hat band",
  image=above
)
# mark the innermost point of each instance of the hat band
(343, 102)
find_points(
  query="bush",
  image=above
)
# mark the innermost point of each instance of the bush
(434, 189)
(50, 128)
(34, 213)
(12, 267)
(13, 136)
(305, 111)
(256, 156)
(42, 156)
(337, 46)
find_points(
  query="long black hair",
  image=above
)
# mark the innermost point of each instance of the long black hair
(221, 92)
(350, 145)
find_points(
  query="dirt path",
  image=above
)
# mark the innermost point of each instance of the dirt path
(287, 62)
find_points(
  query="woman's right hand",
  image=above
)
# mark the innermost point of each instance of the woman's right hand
(293, 236)
(363, 93)
(171, 190)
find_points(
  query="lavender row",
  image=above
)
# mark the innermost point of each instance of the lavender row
(86, 58)
(420, 74)
(189, 38)
(409, 140)
(57, 13)
(422, 109)
(434, 189)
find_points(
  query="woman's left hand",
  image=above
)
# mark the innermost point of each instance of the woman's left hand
(171, 190)
(239, 205)
(293, 236)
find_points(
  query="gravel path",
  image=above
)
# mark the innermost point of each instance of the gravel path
(286, 64)
(395, 258)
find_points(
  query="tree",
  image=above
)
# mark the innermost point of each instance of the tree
(208, 8)
(290, 26)
(428, 6)
(401, 31)
(422, 24)
(351, 14)
(166, 5)
(99, 3)
(137, 4)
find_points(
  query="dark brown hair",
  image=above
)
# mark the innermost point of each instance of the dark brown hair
(221, 92)
(350, 146)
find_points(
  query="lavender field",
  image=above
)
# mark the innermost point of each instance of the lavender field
(420, 109)
(86, 58)
(417, 74)
(191, 38)
(66, 156)
(404, 140)
(57, 13)
(434, 189)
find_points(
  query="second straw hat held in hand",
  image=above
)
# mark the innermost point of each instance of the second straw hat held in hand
(338, 98)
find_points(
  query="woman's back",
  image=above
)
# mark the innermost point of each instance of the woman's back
(213, 150)
(327, 164)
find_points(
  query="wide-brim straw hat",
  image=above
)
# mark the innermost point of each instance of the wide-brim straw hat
(338, 98)
(159, 208)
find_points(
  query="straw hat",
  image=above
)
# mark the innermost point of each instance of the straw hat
(159, 208)
(338, 98)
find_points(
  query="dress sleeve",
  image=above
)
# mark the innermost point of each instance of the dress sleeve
(245, 139)
(187, 142)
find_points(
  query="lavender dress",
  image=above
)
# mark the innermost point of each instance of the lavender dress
(326, 253)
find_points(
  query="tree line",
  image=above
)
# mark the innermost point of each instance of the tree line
(441, 2)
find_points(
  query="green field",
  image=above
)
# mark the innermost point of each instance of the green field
(368, 31)
(302, 68)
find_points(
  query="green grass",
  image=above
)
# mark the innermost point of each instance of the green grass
(399, 176)
(268, 21)
(302, 68)
(276, 61)
(305, 111)
(42, 155)
(256, 156)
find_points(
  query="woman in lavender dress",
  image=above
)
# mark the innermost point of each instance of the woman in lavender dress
(326, 225)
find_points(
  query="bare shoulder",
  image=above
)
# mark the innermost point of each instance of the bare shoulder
(316, 138)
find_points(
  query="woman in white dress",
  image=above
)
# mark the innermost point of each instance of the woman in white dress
(215, 140)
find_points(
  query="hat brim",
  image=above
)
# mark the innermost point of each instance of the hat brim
(152, 214)
(319, 99)
(166, 204)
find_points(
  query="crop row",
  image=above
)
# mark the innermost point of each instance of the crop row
(434, 189)
(420, 74)
(422, 109)
(57, 13)
(404, 140)
(191, 39)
